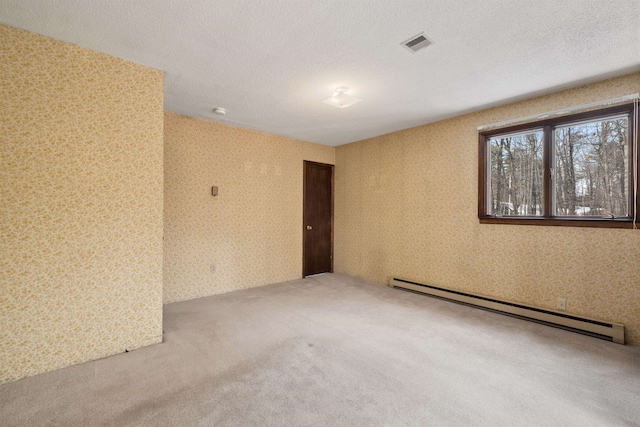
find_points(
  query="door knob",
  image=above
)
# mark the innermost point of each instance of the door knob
(309, 227)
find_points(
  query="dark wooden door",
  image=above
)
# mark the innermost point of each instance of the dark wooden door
(318, 219)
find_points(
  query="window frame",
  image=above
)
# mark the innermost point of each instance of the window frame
(547, 218)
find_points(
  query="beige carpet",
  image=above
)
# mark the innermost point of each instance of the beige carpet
(336, 351)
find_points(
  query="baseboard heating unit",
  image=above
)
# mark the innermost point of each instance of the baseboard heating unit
(583, 325)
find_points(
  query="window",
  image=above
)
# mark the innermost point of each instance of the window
(576, 170)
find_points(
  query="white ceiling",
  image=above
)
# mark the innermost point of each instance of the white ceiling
(270, 63)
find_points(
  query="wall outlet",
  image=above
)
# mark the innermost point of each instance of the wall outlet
(212, 268)
(562, 304)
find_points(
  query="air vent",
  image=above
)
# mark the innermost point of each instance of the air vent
(417, 43)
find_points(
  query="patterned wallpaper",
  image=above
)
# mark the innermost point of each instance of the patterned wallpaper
(248, 235)
(81, 228)
(406, 206)
(81, 217)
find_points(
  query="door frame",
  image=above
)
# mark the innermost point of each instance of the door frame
(304, 198)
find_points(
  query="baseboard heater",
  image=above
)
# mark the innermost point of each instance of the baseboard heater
(583, 325)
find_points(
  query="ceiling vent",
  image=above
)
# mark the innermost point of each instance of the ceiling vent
(417, 43)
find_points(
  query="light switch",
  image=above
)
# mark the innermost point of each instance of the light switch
(214, 190)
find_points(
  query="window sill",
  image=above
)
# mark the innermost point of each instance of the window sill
(565, 222)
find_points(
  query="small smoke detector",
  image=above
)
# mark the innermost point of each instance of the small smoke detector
(219, 111)
(417, 42)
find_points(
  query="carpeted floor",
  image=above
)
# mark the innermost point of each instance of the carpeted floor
(335, 351)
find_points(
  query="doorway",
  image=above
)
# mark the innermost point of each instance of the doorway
(317, 247)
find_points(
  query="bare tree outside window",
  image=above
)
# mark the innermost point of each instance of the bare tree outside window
(576, 170)
(516, 174)
(592, 168)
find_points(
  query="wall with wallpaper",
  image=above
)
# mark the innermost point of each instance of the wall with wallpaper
(81, 217)
(250, 234)
(401, 211)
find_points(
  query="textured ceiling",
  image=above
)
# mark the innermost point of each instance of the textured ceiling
(270, 63)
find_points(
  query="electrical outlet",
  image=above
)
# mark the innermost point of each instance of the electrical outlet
(213, 268)
(562, 304)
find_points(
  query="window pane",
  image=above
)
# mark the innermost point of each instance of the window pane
(591, 168)
(516, 174)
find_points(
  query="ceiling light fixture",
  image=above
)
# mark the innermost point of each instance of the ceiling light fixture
(219, 111)
(340, 98)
